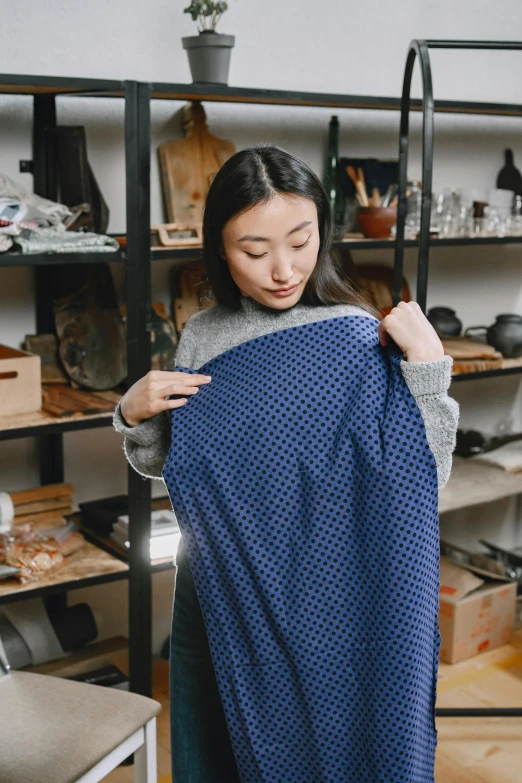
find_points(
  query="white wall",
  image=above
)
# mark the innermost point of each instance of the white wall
(333, 46)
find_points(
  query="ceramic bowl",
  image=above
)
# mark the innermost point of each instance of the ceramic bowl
(376, 222)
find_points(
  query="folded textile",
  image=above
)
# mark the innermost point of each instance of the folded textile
(5, 242)
(31, 206)
(58, 240)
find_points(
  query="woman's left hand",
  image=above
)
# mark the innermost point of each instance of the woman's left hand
(407, 325)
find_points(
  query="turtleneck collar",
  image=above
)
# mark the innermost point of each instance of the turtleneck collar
(249, 305)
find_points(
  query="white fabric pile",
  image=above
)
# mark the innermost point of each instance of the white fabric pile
(39, 225)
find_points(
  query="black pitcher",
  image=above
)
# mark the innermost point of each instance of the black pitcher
(505, 335)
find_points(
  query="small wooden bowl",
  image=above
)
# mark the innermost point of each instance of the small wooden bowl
(376, 222)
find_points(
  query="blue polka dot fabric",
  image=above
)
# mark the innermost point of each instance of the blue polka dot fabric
(307, 497)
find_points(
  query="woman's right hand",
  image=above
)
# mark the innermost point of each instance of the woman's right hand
(147, 396)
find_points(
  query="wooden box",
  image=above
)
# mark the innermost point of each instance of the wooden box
(20, 381)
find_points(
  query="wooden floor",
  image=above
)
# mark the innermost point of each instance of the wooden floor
(471, 750)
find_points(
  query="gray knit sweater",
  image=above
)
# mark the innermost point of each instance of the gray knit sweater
(210, 332)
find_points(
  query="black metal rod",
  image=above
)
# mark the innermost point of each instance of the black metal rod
(102, 88)
(420, 49)
(479, 712)
(69, 425)
(497, 45)
(138, 294)
(50, 446)
(417, 49)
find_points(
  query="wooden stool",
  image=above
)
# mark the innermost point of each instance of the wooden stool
(54, 730)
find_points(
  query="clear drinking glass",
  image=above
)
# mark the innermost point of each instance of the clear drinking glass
(464, 221)
(413, 208)
(516, 217)
(445, 212)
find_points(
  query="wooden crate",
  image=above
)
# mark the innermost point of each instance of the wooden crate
(20, 382)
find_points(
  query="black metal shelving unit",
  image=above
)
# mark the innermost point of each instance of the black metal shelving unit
(419, 50)
(138, 256)
(44, 91)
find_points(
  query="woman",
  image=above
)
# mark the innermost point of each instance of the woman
(300, 461)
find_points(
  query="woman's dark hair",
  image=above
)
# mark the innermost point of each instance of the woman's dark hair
(252, 176)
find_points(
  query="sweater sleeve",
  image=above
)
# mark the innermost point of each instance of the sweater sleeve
(429, 383)
(147, 445)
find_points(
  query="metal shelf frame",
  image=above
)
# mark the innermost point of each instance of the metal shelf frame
(419, 50)
(137, 255)
(44, 91)
(21, 84)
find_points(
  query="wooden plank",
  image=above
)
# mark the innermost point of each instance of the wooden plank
(49, 504)
(47, 519)
(60, 400)
(472, 483)
(42, 492)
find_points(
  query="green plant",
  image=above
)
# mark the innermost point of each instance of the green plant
(207, 13)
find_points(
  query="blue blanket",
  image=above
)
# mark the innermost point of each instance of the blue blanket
(306, 493)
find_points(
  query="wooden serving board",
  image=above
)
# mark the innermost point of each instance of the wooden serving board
(189, 165)
(60, 400)
(466, 348)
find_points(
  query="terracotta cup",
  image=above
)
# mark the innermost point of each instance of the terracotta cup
(376, 222)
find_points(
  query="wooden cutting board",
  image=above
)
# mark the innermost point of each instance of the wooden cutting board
(465, 348)
(189, 165)
(192, 284)
(61, 400)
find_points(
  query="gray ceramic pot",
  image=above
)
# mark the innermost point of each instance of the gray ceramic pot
(209, 56)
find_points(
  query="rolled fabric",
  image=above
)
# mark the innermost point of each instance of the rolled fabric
(16, 651)
(74, 626)
(34, 626)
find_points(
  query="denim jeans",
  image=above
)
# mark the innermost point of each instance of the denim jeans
(200, 743)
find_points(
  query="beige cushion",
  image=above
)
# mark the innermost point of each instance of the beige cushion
(54, 730)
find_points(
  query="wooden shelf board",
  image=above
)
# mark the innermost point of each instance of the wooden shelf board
(89, 564)
(28, 421)
(472, 483)
(355, 242)
(185, 254)
(508, 367)
(163, 564)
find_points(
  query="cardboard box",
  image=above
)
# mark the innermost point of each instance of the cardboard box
(476, 610)
(20, 382)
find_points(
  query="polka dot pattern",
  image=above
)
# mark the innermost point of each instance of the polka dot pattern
(307, 496)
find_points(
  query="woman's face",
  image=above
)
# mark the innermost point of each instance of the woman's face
(274, 245)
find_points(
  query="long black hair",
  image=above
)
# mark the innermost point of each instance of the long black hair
(252, 176)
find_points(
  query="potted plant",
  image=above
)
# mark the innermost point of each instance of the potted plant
(209, 52)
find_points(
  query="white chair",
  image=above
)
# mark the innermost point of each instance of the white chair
(54, 730)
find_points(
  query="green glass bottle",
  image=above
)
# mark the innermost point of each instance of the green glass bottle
(332, 178)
